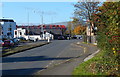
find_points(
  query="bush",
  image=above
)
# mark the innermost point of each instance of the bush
(109, 34)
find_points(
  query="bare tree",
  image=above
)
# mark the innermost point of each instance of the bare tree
(84, 11)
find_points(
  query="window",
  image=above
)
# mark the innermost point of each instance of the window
(20, 33)
(9, 33)
(15, 32)
(10, 25)
(9, 29)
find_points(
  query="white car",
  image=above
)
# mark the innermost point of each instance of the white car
(32, 39)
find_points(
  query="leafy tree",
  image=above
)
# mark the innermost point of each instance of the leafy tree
(79, 30)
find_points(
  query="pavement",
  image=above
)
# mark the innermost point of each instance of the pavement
(57, 58)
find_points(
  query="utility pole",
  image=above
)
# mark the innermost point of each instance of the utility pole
(42, 19)
(42, 24)
(41, 15)
(28, 24)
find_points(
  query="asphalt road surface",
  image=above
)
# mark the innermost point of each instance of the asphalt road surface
(47, 58)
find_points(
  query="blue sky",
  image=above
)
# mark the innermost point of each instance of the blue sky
(54, 11)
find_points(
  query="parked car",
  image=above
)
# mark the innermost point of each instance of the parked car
(67, 37)
(21, 38)
(33, 39)
(61, 37)
(80, 37)
(74, 37)
(16, 41)
(1, 43)
(8, 43)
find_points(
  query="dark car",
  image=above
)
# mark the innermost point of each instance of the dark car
(74, 37)
(8, 43)
(67, 37)
(61, 37)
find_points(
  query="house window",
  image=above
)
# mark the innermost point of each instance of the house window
(10, 25)
(20, 33)
(9, 33)
(15, 32)
(9, 29)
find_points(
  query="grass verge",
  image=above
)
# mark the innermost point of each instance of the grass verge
(11, 51)
(97, 66)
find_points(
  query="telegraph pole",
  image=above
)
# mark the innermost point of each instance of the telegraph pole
(28, 23)
(42, 24)
(42, 19)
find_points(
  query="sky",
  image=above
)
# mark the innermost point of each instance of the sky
(31, 12)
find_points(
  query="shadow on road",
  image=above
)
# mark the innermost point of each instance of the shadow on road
(32, 58)
(24, 72)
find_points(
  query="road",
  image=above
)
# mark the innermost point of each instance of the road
(42, 58)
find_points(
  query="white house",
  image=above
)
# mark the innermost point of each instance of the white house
(8, 27)
(20, 32)
(91, 36)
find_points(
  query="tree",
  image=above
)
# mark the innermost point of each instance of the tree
(84, 10)
(79, 30)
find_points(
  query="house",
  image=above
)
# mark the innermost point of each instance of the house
(0, 31)
(8, 27)
(91, 34)
(89, 31)
(55, 30)
(21, 32)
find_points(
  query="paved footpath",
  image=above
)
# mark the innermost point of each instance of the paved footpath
(78, 51)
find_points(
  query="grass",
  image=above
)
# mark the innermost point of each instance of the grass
(96, 66)
(84, 68)
(10, 51)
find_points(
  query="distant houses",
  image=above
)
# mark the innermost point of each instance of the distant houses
(9, 30)
(55, 30)
(21, 32)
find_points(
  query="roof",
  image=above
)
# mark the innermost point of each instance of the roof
(6, 20)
